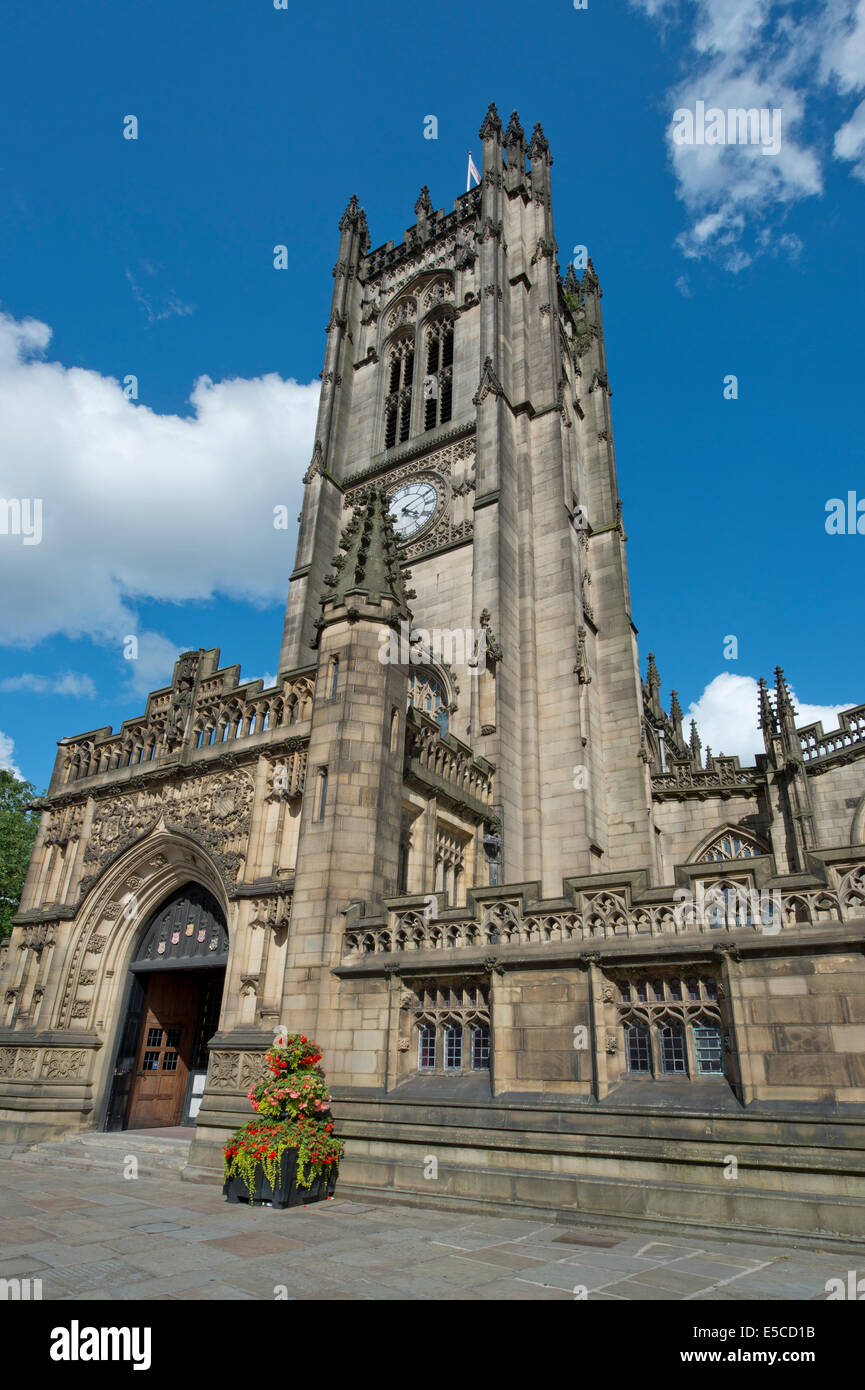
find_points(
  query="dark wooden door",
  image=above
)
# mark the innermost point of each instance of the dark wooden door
(164, 1053)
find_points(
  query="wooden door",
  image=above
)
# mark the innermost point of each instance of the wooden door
(164, 1052)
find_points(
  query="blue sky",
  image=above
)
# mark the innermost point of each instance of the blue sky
(154, 258)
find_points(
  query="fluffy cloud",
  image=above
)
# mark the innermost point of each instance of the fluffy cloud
(7, 763)
(757, 54)
(140, 505)
(727, 716)
(67, 684)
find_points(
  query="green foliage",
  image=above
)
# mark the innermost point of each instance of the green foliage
(295, 1104)
(18, 826)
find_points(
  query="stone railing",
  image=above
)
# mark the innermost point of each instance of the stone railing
(610, 915)
(724, 774)
(850, 734)
(218, 717)
(388, 255)
(443, 756)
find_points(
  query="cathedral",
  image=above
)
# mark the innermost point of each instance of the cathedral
(557, 956)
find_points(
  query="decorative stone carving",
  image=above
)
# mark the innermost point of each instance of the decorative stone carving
(224, 1068)
(253, 1068)
(215, 808)
(25, 1064)
(36, 936)
(64, 1065)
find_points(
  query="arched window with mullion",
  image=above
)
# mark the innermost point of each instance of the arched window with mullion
(438, 377)
(397, 410)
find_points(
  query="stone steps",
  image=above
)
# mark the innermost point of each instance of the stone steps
(91, 1150)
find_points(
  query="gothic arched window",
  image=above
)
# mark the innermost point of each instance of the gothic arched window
(397, 410)
(732, 844)
(438, 373)
(426, 692)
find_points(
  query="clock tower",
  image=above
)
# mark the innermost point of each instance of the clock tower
(467, 380)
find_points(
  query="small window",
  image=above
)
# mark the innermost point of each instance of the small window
(426, 1047)
(481, 1047)
(672, 1043)
(708, 1050)
(637, 1051)
(321, 799)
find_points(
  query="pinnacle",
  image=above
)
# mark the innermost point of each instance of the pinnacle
(491, 124)
(370, 563)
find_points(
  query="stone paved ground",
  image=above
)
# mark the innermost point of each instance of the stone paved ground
(90, 1234)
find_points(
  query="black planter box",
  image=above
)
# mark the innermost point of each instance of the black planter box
(287, 1193)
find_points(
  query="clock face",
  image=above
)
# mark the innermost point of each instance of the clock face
(411, 507)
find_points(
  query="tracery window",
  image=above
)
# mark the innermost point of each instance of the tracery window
(670, 1026)
(731, 845)
(438, 377)
(452, 1021)
(426, 692)
(397, 411)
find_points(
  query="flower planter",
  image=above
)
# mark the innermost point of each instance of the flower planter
(287, 1193)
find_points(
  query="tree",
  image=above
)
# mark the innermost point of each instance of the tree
(19, 821)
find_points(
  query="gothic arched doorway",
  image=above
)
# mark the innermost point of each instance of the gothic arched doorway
(171, 1011)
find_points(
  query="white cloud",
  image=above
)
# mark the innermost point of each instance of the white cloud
(69, 683)
(159, 304)
(6, 761)
(727, 716)
(138, 505)
(756, 54)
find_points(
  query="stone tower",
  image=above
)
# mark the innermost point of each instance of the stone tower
(461, 373)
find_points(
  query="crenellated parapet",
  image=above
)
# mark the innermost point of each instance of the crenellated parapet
(843, 744)
(204, 709)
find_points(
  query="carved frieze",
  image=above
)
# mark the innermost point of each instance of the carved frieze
(64, 1064)
(215, 809)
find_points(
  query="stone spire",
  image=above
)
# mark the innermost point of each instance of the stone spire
(676, 714)
(514, 135)
(767, 714)
(423, 207)
(352, 213)
(491, 126)
(368, 582)
(652, 686)
(539, 146)
(695, 746)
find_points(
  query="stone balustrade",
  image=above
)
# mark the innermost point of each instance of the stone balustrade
(609, 914)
